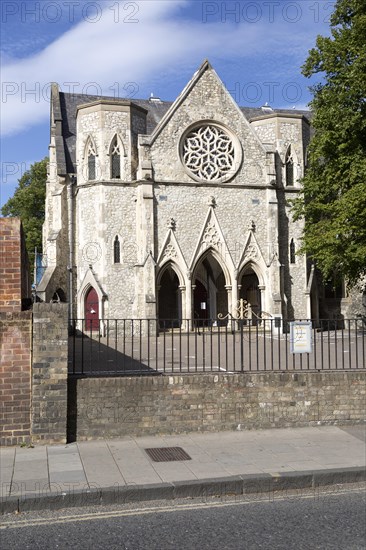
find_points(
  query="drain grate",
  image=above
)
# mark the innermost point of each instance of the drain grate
(167, 454)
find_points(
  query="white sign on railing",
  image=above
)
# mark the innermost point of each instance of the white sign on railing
(300, 337)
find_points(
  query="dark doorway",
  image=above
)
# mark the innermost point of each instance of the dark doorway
(170, 302)
(210, 294)
(59, 296)
(250, 292)
(200, 302)
(92, 310)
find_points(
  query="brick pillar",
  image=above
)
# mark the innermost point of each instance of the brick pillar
(49, 372)
(15, 335)
(15, 380)
(14, 276)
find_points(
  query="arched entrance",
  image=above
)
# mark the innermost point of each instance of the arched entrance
(91, 309)
(59, 296)
(249, 291)
(209, 292)
(170, 301)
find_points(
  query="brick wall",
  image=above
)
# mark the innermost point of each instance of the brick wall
(15, 335)
(14, 271)
(113, 407)
(15, 378)
(33, 388)
(49, 373)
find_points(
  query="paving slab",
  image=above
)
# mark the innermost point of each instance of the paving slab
(133, 463)
(35, 486)
(120, 470)
(358, 431)
(173, 471)
(99, 464)
(68, 477)
(7, 458)
(30, 470)
(35, 471)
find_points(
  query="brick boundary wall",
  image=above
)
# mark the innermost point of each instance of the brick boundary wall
(49, 373)
(14, 271)
(115, 407)
(15, 376)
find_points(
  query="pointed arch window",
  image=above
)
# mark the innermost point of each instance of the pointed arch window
(115, 153)
(117, 250)
(306, 159)
(289, 168)
(292, 252)
(91, 156)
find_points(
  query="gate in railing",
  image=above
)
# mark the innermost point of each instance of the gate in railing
(150, 346)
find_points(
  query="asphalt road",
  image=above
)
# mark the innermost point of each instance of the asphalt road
(333, 518)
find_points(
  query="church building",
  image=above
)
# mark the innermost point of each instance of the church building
(175, 210)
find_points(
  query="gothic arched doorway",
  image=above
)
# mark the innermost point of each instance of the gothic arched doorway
(91, 309)
(170, 301)
(209, 292)
(249, 291)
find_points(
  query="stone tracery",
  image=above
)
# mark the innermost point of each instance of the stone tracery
(209, 153)
(211, 236)
(251, 251)
(170, 252)
(115, 159)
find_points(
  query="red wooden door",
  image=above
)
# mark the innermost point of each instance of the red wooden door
(91, 310)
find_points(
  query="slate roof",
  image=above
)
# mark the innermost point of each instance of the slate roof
(67, 107)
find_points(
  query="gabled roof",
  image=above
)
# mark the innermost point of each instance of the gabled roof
(64, 107)
(68, 107)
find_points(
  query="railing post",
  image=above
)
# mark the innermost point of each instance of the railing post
(130, 348)
(241, 347)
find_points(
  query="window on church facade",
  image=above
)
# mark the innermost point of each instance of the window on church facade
(289, 164)
(91, 161)
(210, 153)
(115, 159)
(289, 172)
(292, 252)
(116, 251)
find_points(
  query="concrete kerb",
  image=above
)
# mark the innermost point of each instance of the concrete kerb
(211, 487)
(250, 484)
(334, 476)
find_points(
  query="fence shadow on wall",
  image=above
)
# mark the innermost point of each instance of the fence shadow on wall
(92, 355)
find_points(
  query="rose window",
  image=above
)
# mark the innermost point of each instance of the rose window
(209, 153)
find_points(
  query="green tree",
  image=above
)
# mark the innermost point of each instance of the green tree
(28, 204)
(333, 201)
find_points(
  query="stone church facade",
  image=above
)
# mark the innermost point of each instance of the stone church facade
(175, 210)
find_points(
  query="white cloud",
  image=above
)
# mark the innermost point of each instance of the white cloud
(11, 172)
(115, 49)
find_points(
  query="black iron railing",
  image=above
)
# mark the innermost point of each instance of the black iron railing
(150, 347)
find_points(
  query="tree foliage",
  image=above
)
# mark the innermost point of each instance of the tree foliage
(28, 204)
(333, 201)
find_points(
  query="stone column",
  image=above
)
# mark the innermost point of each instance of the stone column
(145, 269)
(182, 290)
(191, 305)
(262, 289)
(230, 300)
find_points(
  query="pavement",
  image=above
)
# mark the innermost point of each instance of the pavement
(120, 470)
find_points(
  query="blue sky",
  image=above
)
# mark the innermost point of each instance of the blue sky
(135, 48)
